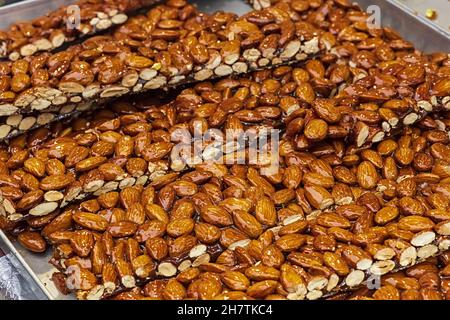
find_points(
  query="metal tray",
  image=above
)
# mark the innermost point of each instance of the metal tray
(426, 36)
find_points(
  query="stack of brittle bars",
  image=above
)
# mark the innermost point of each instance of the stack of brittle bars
(160, 152)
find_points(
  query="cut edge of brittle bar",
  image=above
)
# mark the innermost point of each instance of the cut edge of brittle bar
(103, 20)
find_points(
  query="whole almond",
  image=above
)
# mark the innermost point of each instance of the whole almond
(55, 167)
(386, 215)
(367, 175)
(122, 229)
(261, 272)
(128, 196)
(56, 182)
(207, 233)
(313, 178)
(290, 279)
(90, 163)
(180, 227)
(150, 229)
(82, 242)
(316, 130)
(265, 211)
(415, 223)
(290, 242)
(156, 151)
(90, 221)
(108, 200)
(174, 290)
(292, 177)
(262, 289)
(61, 222)
(98, 257)
(32, 241)
(318, 196)
(181, 245)
(336, 262)
(235, 280)
(29, 200)
(272, 256)
(247, 223)
(35, 166)
(157, 248)
(136, 213)
(76, 155)
(216, 216)
(387, 292)
(333, 220)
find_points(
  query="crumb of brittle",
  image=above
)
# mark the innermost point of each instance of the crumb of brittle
(431, 14)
